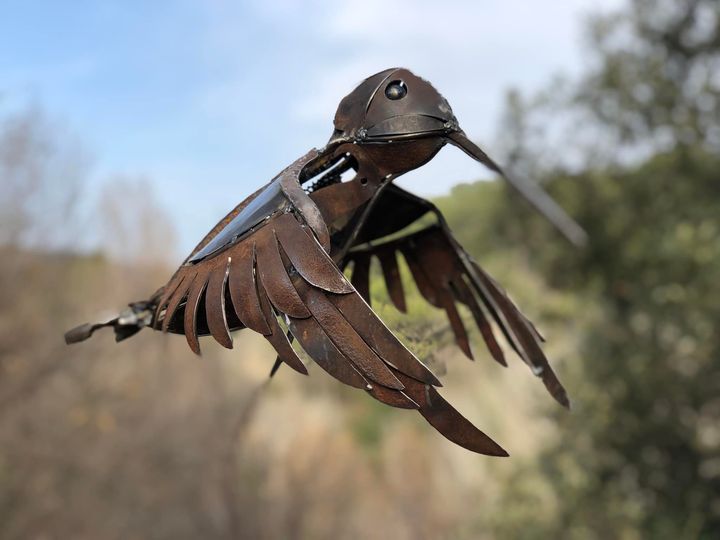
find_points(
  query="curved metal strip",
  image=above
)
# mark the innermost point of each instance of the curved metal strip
(465, 295)
(172, 285)
(448, 421)
(278, 338)
(275, 278)
(395, 398)
(243, 289)
(176, 298)
(323, 351)
(391, 272)
(289, 180)
(433, 260)
(361, 275)
(308, 258)
(347, 339)
(191, 310)
(522, 336)
(423, 283)
(409, 126)
(215, 305)
(379, 337)
(456, 323)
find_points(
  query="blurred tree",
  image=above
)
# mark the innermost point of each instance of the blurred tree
(41, 171)
(134, 229)
(655, 79)
(640, 455)
(70, 417)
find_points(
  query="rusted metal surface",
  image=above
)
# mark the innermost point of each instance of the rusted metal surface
(275, 263)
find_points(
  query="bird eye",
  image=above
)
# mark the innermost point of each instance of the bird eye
(395, 90)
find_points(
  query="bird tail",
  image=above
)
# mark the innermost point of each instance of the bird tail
(126, 324)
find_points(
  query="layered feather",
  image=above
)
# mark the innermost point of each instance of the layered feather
(447, 276)
(281, 271)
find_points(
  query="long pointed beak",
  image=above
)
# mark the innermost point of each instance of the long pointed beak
(531, 191)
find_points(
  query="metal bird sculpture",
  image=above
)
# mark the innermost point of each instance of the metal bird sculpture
(275, 264)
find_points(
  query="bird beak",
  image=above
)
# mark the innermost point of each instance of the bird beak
(532, 192)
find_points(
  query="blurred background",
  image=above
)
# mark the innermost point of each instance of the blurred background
(128, 129)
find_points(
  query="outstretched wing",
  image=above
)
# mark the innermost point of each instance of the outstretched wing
(446, 276)
(268, 269)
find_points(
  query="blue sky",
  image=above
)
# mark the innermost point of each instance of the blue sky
(208, 100)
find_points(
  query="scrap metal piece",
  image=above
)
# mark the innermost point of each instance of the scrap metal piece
(274, 264)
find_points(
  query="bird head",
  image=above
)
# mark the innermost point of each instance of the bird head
(402, 121)
(393, 105)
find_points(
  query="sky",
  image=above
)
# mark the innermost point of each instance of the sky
(210, 99)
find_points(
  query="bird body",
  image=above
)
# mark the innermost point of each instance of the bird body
(275, 264)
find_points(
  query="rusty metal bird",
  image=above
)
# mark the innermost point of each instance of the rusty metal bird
(275, 264)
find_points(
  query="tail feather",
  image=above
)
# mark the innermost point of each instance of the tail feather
(84, 331)
(128, 323)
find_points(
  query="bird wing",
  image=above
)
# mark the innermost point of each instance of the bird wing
(447, 276)
(275, 277)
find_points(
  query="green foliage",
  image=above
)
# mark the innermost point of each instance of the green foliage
(639, 457)
(641, 450)
(656, 76)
